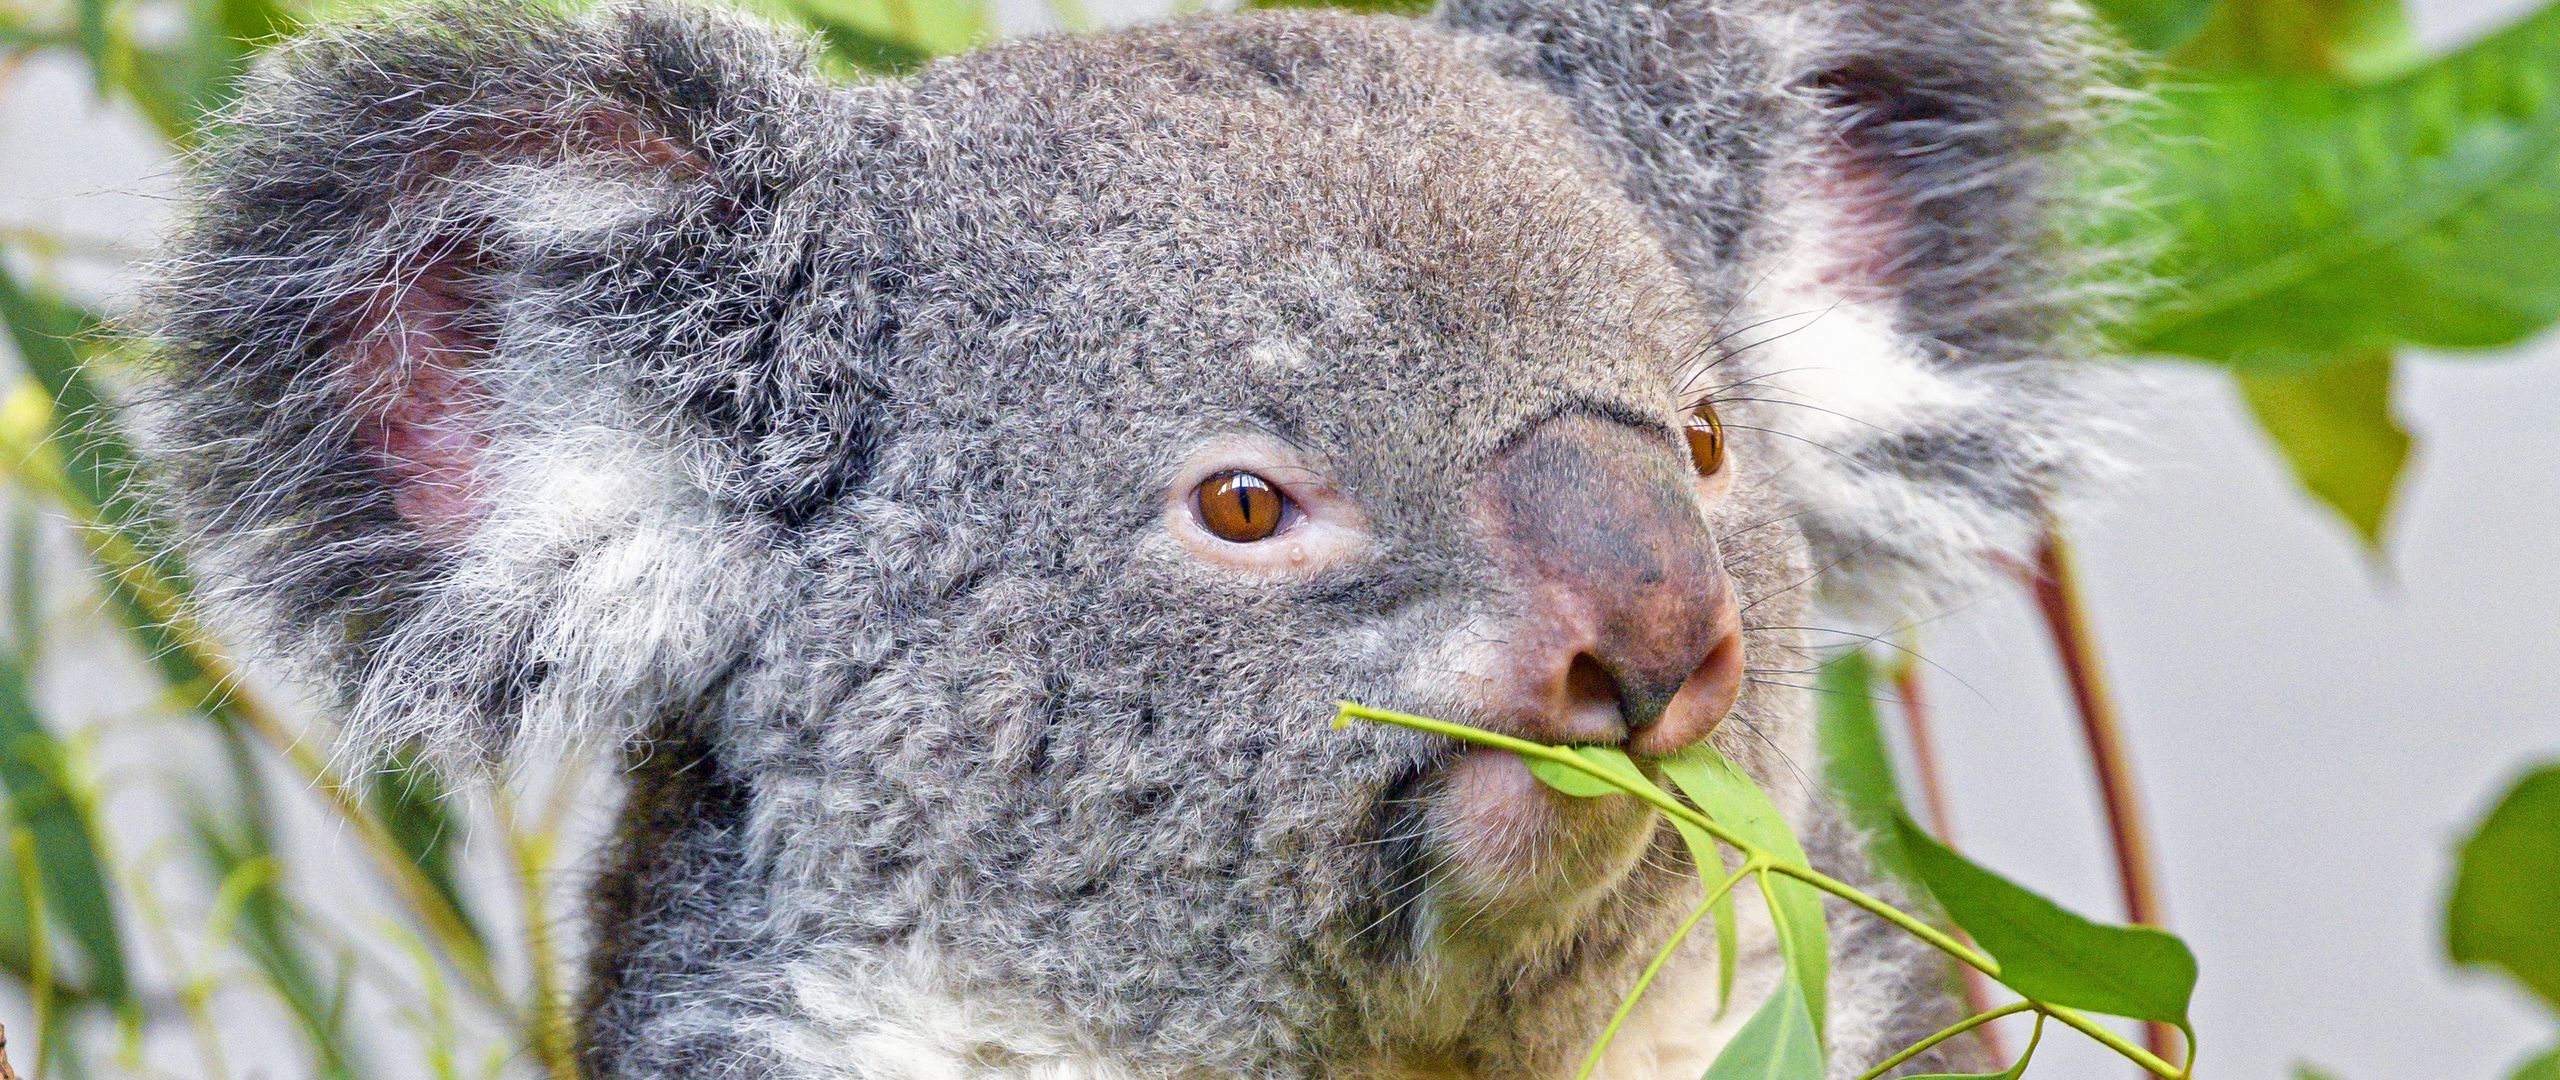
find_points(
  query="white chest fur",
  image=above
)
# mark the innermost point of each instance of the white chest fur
(900, 1020)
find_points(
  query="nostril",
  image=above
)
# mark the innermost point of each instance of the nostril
(1586, 682)
(1592, 702)
(1700, 704)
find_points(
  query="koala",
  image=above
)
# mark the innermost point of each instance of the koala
(965, 496)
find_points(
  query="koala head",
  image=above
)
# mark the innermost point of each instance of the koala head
(988, 481)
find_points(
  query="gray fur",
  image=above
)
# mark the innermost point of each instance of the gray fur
(1973, 117)
(824, 424)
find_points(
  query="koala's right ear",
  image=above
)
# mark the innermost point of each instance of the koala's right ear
(1880, 197)
(472, 400)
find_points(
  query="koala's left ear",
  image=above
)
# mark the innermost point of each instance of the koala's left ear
(1877, 196)
(494, 357)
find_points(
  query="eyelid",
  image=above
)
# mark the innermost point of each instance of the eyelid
(1290, 479)
(1325, 525)
(1300, 484)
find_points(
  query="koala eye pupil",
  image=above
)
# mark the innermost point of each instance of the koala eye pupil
(1240, 507)
(1706, 440)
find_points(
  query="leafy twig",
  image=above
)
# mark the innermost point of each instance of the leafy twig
(1950, 1031)
(1661, 957)
(1761, 863)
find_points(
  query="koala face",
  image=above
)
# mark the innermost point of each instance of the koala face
(979, 488)
(1417, 433)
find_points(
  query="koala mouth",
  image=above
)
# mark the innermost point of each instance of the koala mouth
(1470, 844)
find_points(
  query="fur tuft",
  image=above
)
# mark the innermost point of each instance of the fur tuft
(1878, 198)
(549, 220)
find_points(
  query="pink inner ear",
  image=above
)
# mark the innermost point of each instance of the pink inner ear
(1867, 243)
(413, 346)
(421, 415)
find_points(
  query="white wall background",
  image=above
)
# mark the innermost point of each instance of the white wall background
(2313, 730)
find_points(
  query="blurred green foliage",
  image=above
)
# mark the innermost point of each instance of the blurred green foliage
(2321, 195)
(2506, 890)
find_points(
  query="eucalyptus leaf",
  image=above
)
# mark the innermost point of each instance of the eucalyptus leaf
(88, 458)
(1569, 780)
(35, 769)
(1728, 950)
(17, 934)
(51, 335)
(2506, 888)
(1779, 1042)
(96, 35)
(891, 36)
(182, 85)
(26, 595)
(2309, 219)
(1711, 871)
(865, 50)
(1709, 861)
(1380, 7)
(26, 422)
(1732, 800)
(1857, 762)
(2155, 25)
(2546, 1067)
(1615, 762)
(2335, 426)
(2352, 39)
(1582, 785)
(2051, 955)
(415, 809)
(276, 934)
(1703, 853)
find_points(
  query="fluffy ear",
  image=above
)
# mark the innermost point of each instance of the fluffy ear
(1877, 195)
(478, 365)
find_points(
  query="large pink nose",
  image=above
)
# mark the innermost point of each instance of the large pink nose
(1627, 632)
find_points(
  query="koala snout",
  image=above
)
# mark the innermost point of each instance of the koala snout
(1626, 631)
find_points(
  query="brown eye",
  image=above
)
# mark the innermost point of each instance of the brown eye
(1706, 440)
(1240, 507)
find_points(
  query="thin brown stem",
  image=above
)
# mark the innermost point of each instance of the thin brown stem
(1924, 749)
(2057, 591)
